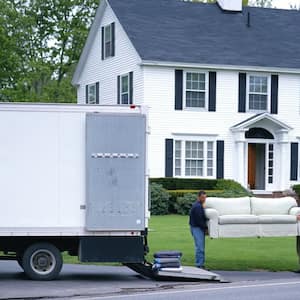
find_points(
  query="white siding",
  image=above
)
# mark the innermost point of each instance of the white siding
(165, 121)
(154, 86)
(106, 71)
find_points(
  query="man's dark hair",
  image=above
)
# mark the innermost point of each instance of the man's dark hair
(201, 193)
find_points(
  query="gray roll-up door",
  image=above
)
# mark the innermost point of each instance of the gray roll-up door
(115, 171)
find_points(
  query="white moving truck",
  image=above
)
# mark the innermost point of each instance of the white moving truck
(72, 178)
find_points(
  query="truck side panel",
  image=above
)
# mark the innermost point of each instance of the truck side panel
(115, 161)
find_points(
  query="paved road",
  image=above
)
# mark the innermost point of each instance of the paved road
(104, 282)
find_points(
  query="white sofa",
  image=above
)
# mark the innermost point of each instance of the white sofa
(252, 217)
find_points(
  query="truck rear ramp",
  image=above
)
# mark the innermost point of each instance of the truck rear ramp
(188, 274)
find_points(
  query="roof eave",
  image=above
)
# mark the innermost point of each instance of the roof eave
(220, 66)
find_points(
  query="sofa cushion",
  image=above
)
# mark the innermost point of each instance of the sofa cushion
(272, 206)
(238, 219)
(229, 206)
(277, 219)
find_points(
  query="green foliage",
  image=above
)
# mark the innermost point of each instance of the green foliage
(231, 189)
(170, 183)
(296, 188)
(41, 42)
(159, 200)
(178, 188)
(183, 204)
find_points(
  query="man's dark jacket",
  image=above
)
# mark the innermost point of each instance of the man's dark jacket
(197, 216)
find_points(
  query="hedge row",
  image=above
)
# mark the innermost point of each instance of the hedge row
(179, 201)
(185, 184)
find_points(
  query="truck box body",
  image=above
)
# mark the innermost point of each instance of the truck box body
(71, 170)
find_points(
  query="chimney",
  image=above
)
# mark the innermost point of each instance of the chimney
(231, 5)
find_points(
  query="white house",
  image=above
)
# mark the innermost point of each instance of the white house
(222, 83)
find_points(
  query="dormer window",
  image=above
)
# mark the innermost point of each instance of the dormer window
(108, 41)
(258, 92)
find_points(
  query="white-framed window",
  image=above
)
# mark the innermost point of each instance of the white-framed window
(91, 96)
(108, 40)
(124, 89)
(195, 89)
(258, 90)
(194, 158)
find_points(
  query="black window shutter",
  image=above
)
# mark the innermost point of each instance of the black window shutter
(102, 43)
(274, 94)
(294, 161)
(169, 158)
(113, 39)
(220, 159)
(97, 92)
(212, 91)
(130, 87)
(118, 84)
(86, 94)
(178, 89)
(242, 92)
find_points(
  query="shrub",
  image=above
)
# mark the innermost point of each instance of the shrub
(159, 200)
(296, 188)
(231, 189)
(185, 184)
(174, 195)
(183, 204)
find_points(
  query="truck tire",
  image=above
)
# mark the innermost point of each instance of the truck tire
(42, 261)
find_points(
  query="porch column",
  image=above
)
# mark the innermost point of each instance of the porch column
(240, 157)
(284, 164)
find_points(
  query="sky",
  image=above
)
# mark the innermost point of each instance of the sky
(285, 3)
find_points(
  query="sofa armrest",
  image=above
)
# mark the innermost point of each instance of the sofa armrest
(213, 222)
(294, 211)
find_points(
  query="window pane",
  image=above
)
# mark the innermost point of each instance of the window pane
(107, 49)
(92, 94)
(195, 99)
(124, 84)
(177, 158)
(258, 92)
(125, 99)
(258, 102)
(107, 33)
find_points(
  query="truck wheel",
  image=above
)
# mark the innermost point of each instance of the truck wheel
(42, 261)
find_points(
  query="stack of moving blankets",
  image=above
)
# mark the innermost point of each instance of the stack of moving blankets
(167, 261)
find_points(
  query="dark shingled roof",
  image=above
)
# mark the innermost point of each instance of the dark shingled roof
(187, 32)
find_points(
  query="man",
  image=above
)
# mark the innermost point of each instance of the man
(198, 227)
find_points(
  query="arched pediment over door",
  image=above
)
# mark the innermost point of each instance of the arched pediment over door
(259, 133)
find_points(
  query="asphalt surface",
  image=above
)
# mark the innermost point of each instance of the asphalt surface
(106, 282)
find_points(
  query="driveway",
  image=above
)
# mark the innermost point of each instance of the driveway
(109, 282)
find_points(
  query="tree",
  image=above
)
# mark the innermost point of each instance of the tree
(48, 37)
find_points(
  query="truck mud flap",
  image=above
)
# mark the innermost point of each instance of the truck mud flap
(188, 274)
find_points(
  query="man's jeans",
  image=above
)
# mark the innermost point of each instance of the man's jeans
(199, 238)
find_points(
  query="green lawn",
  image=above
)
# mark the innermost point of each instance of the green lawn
(275, 254)
(172, 233)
